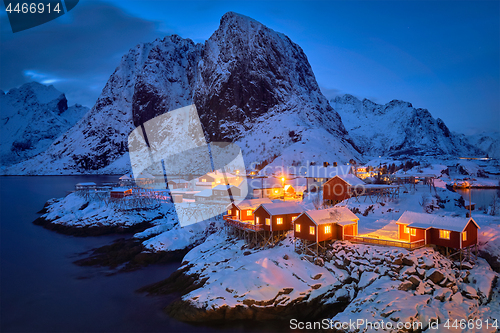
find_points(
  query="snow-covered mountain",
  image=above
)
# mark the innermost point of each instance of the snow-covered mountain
(397, 128)
(32, 117)
(489, 142)
(251, 85)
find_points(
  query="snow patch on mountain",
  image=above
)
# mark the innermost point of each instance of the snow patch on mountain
(397, 129)
(32, 117)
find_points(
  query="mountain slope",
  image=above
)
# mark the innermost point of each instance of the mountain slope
(489, 142)
(397, 128)
(32, 117)
(251, 85)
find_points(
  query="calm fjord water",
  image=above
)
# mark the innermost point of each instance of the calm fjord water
(43, 291)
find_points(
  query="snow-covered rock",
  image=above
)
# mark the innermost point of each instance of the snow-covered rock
(32, 117)
(397, 128)
(489, 142)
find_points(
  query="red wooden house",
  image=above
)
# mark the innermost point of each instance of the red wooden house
(447, 231)
(342, 187)
(326, 224)
(243, 211)
(277, 216)
(120, 192)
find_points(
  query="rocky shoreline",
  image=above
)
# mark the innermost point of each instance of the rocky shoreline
(130, 254)
(180, 282)
(91, 231)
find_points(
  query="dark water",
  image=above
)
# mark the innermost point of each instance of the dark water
(481, 197)
(43, 291)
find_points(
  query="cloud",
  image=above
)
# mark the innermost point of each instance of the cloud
(75, 52)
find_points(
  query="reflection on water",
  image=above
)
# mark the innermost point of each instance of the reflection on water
(481, 197)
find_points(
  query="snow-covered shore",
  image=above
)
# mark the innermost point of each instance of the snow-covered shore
(222, 279)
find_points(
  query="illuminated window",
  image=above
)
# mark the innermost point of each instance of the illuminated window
(203, 180)
(312, 230)
(279, 220)
(444, 234)
(406, 230)
(249, 212)
(464, 236)
(229, 212)
(297, 228)
(256, 220)
(275, 191)
(268, 222)
(413, 231)
(237, 213)
(328, 229)
(294, 217)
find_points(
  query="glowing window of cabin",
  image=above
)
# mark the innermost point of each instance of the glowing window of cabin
(413, 231)
(249, 212)
(328, 229)
(294, 217)
(406, 230)
(268, 222)
(279, 220)
(229, 212)
(256, 220)
(444, 234)
(297, 228)
(237, 212)
(203, 180)
(464, 236)
(312, 230)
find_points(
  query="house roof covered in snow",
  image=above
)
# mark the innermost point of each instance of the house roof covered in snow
(204, 193)
(280, 208)
(351, 180)
(121, 189)
(223, 187)
(339, 215)
(178, 181)
(252, 204)
(426, 221)
(126, 177)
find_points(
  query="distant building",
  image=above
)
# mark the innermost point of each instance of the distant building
(222, 191)
(342, 187)
(118, 193)
(85, 186)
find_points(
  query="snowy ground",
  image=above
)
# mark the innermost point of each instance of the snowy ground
(380, 283)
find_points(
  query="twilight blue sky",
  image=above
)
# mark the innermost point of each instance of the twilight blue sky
(440, 55)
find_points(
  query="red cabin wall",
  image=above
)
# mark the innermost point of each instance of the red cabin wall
(305, 222)
(336, 189)
(419, 234)
(322, 236)
(453, 242)
(262, 214)
(350, 230)
(471, 230)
